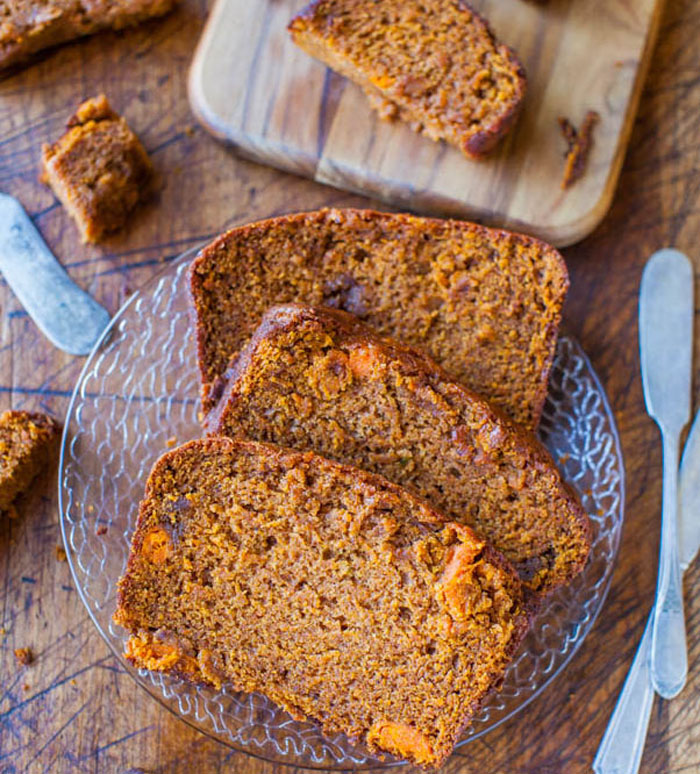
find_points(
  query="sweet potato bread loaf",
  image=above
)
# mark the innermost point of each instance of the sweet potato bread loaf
(28, 26)
(434, 64)
(337, 594)
(320, 380)
(26, 441)
(484, 303)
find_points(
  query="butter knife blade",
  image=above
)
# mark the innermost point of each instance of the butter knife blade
(622, 745)
(69, 318)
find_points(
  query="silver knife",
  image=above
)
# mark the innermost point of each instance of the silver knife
(622, 745)
(666, 343)
(621, 748)
(68, 317)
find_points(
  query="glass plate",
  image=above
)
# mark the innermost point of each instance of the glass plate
(138, 395)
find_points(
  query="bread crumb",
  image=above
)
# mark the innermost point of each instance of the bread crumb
(579, 144)
(61, 554)
(24, 656)
(171, 442)
(26, 687)
(98, 169)
(91, 509)
(101, 530)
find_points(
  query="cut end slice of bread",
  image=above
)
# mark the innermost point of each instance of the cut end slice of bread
(337, 594)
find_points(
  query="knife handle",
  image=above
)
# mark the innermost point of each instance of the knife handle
(669, 649)
(622, 745)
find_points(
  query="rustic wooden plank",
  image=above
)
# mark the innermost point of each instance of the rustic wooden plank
(81, 712)
(251, 86)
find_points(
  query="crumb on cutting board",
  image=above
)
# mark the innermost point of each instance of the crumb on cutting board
(580, 142)
(61, 554)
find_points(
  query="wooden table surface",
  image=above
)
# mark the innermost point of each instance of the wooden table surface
(74, 709)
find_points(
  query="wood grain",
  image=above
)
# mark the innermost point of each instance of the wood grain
(250, 85)
(80, 713)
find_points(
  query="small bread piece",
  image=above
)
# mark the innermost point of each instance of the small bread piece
(337, 594)
(319, 380)
(434, 64)
(28, 26)
(98, 170)
(484, 303)
(26, 443)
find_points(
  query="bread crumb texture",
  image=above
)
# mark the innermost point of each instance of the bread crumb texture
(485, 304)
(98, 169)
(27, 441)
(29, 26)
(320, 380)
(434, 64)
(337, 594)
(24, 656)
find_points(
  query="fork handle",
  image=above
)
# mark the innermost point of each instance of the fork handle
(669, 649)
(622, 745)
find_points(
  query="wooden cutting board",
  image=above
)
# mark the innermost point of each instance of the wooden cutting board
(252, 87)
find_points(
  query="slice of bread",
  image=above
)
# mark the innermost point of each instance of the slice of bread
(434, 64)
(29, 26)
(320, 380)
(27, 440)
(334, 592)
(485, 304)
